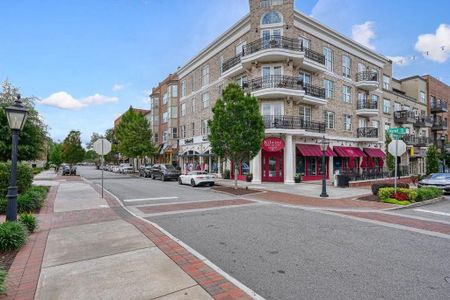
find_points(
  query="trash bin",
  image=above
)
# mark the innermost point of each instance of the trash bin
(342, 180)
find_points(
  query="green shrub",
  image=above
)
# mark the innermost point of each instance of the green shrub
(3, 274)
(395, 201)
(377, 186)
(427, 193)
(226, 174)
(24, 177)
(29, 221)
(37, 170)
(388, 192)
(3, 203)
(13, 235)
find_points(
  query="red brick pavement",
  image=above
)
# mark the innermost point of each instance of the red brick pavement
(81, 217)
(320, 202)
(215, 284)
(401, 220)
(192, 205)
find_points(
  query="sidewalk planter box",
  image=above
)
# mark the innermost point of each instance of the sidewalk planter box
(298, 178)
(343, 180)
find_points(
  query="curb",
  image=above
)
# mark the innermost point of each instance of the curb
(417, 204)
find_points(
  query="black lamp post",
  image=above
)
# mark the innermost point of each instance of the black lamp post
(443, 152)
(324, 146)
(17, 116)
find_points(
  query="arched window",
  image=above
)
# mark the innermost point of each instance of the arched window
(272, 17)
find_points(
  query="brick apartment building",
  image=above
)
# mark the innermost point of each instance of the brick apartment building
(311, 82)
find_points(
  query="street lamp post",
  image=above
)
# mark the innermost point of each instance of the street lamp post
(324, 146)
(17, 116)
(443, 152)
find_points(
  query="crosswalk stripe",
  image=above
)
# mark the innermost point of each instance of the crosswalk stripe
(433, 212)
(149, 199)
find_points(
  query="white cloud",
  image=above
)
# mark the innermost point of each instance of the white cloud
(401, 60)
(65, 100)
(364, 33)
(118, 87)
(436, 46)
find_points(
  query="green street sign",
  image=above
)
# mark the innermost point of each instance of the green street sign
(399, 130)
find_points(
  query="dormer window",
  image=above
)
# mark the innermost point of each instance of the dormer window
(272, 17)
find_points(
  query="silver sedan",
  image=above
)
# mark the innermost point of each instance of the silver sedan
(438, 180)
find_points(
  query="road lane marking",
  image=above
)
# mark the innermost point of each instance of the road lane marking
(149, 199)
(441, 213)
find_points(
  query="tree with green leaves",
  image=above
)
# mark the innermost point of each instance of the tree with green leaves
(34, 133)
(94, 137)
(390, 159)
(72, 151)
(90, 156)
(55, 154)
(432, 160)
(237, 127)
(134, 135)
(113, 155)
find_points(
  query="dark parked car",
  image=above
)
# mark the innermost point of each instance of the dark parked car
(67, 170)
(145, 171)
(164, 172)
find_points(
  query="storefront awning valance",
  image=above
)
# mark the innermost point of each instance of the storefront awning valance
(351, 152)
(313, 150)
(374, 152)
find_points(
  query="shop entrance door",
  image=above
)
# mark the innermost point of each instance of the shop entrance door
(272, 166)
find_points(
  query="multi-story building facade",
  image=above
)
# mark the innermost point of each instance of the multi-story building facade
(439, 97)
(405, 105)
(311, 83)
(164, 115)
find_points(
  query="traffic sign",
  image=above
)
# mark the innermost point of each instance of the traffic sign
(398, 130)
(397, 148)
(102, 146)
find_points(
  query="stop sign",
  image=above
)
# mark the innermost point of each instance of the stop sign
(399, 145)
(102, 146)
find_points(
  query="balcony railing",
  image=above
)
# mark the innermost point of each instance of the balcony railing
(292, 122)
(419, 141)
(423, 121)
(365, 104)
(404, 116)
(273, 42)
(228, 64)
(367, 76)
(438, 106)
(367, 132)
(283, 81)
(440, 124)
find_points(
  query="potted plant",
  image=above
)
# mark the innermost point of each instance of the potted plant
(298, 178)
(249, 177)
(226, 174)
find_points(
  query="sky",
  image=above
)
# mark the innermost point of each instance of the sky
(87, 61)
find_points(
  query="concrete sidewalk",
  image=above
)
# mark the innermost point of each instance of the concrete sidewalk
(106, 260)
(88, 247)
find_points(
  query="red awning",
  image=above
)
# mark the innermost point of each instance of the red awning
(313, 150)
(348, 151)
(374, 152)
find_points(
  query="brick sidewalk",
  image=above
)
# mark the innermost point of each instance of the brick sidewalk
(280, 197)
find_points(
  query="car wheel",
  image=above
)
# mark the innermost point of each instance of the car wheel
(192, 182)
(211, 184)
(162, 178)
(179, 181)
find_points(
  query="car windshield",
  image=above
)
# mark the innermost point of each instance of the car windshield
(169, 167)
(440, 176)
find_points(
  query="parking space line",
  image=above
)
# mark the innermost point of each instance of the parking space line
(149, 199)
(441, 213)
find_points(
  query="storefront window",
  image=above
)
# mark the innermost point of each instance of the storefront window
(300, 165)
(319, 161)
(312, 167)
(337, 164)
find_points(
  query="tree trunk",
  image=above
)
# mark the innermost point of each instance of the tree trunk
(236, 172)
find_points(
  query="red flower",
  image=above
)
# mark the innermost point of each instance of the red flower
(401, 196)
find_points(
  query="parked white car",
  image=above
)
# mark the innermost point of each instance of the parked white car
(115, 169)
(195, 178)
(125, 168)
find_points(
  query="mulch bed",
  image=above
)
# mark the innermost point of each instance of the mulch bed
(7, 258)
(232, 190)
(369, 198)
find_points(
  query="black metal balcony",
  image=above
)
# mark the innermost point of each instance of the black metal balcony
(228, 64)
(423, 121)
(367, 76)
(404, 116)
(440, 124)
(438, 106)
(285, 82)
(292, 122)
(418, 141)
(367, 132)
(367, 104)
(273, 42)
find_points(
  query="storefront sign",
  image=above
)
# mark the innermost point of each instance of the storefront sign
(272, 144)
(189, 141)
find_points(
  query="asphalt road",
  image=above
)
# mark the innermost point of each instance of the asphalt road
(288, 253)
(438, 211)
